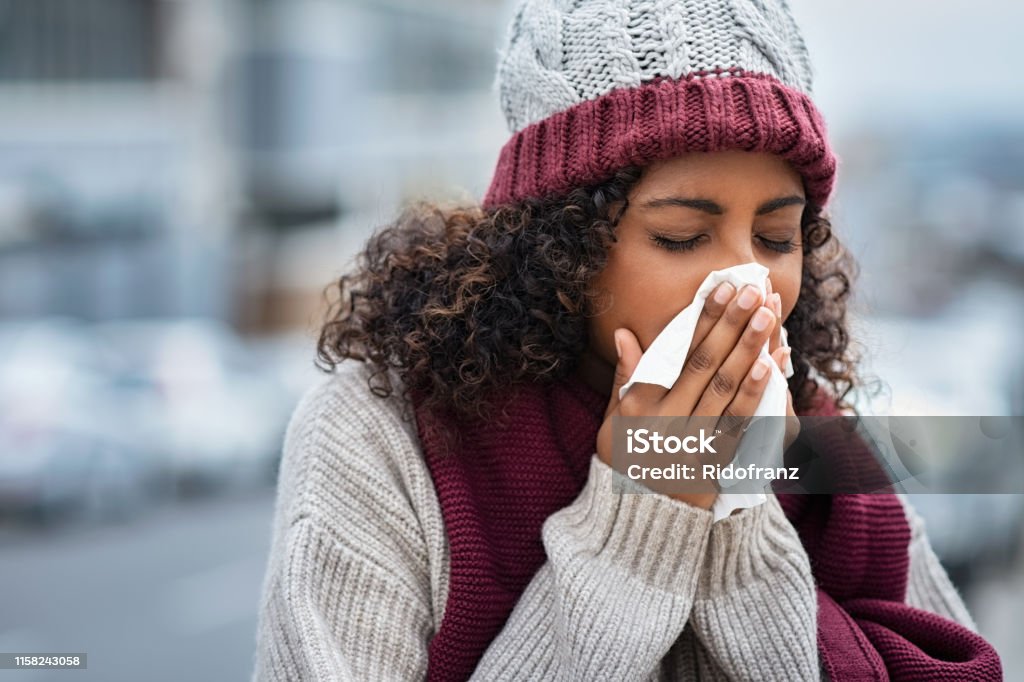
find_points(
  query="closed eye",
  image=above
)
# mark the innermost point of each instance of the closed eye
(783, 246)
(677, 244)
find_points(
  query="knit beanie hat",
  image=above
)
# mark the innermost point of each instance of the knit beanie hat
(591, 86)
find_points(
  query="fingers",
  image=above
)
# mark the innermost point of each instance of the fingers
(711, 312)
(704, 362)
(714, 307)
(741, 364)
(747, 398)
(781, 357)
(629, 352)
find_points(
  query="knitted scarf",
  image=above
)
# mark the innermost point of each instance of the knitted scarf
(500, 480)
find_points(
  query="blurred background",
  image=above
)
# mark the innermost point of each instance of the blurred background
(180, 179)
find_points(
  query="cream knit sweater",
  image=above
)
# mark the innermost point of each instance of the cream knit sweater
(635, 587)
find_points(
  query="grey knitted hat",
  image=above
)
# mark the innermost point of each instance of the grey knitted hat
(589, 86)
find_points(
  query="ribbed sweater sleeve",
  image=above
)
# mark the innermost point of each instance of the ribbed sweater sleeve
(356, 577)
(928, 585)
(615, 593)
(756, 606)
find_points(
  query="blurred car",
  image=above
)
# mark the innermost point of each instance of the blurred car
(62, 447)
(202, 399)
(101, 418)
(51, 471)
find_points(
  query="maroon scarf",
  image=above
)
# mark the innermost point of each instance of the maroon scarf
(499, 482)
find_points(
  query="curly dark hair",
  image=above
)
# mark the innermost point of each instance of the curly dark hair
(463, 302)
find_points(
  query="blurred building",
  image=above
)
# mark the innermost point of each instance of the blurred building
(346, 110)
(225, 157)
(116, 189)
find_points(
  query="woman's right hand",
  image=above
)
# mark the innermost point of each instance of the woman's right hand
(721, 376)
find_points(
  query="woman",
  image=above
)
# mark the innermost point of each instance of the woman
(445, 505)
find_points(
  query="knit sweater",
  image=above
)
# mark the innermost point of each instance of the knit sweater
(635, 586)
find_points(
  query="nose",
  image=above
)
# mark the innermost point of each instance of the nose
(736, 248)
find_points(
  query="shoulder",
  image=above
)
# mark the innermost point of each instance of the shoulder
(354, 488)
(345, 445)
(344, 396)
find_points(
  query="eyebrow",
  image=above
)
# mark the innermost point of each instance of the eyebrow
(781, 202)
(711, 207)
(705, 205)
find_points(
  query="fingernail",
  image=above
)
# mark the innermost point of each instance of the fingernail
(760, 369)
(618, 345)
(762, 318)
(748, 297)
(723, 293)
(778, 303)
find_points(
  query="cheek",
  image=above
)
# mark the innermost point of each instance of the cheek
(642, 295)
(787, 282)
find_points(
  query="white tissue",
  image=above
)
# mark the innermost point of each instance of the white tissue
(663, 360)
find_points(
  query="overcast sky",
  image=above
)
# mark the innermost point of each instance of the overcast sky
(915, 60)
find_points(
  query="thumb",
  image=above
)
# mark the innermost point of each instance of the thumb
(629, 352)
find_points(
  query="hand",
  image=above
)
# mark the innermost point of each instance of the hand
(717, 378)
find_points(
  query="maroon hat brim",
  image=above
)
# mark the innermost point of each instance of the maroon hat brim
(661, 119)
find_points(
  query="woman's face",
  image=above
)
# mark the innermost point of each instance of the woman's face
(686, 217)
